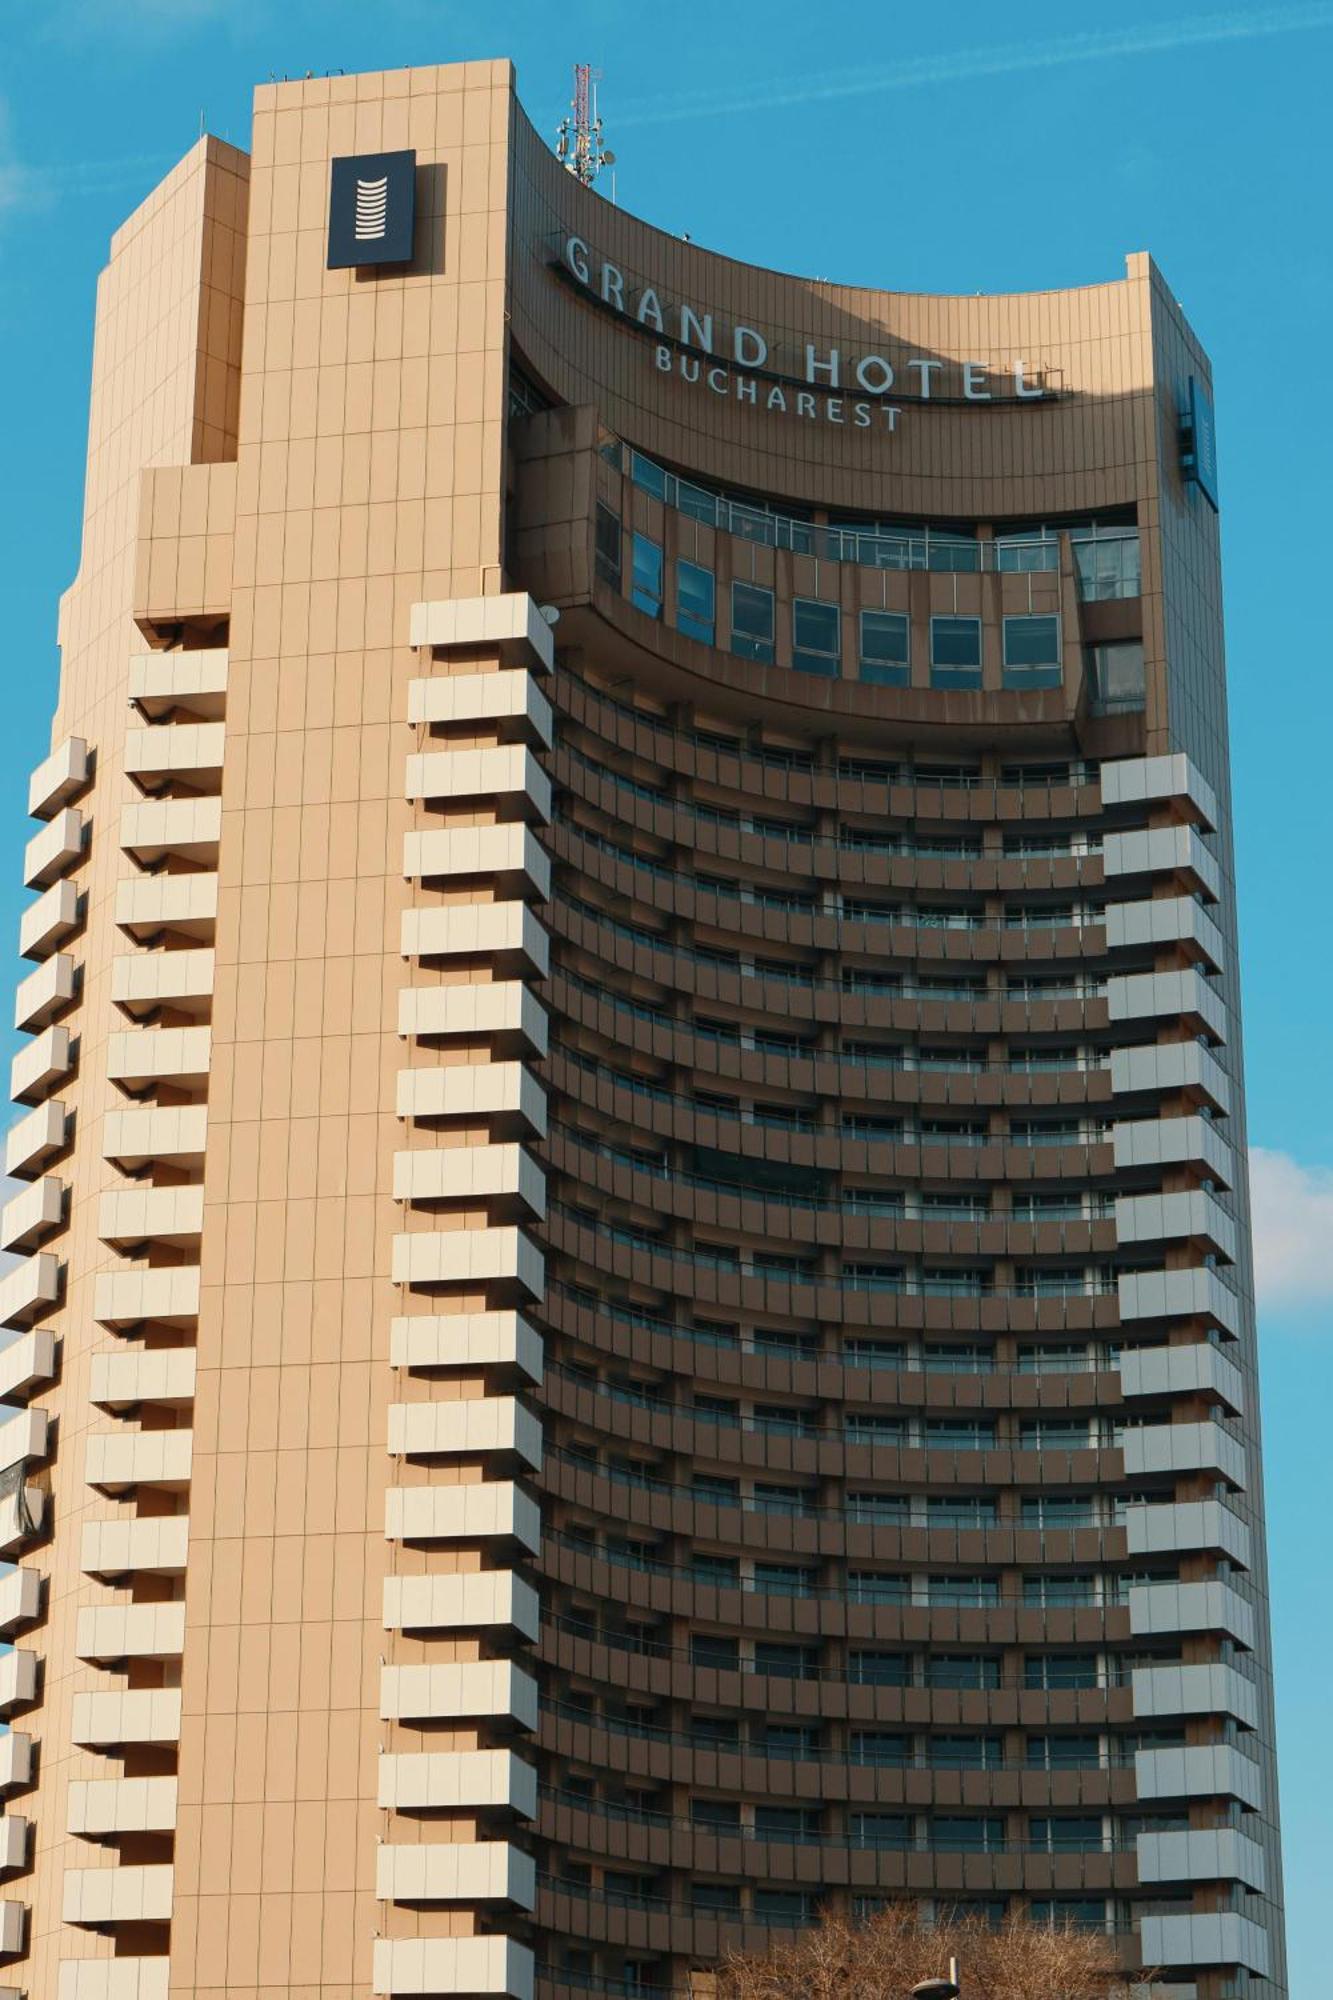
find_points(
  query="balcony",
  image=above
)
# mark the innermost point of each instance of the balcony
(39, 1066)
(45, 924)
(55, 850)
(23, 1437)
(473, 1965)
(133, 1715)
(475, 1428)
(186, 829)
(1211, 1854)
(1209, 1605)
(1197, 1293)
(168, 1295)
(470, 1257)
(1205, 1688)
(18, 1680)
(118, 1461)
(107, 1633)
(460, 1691)
(194, 679)
(109, 1808)
(497, 1511)
(27, 1364)
(509, 624)
(452, 1780)
(513, 703)
(163, 1375)
(15, 1761)
(507, 772)
(149, 1544)
(1197, 1369)
(13, 1929)
(1157, 1142)
(29, 1288)
(22, 1513)
(140, 1057)
(1174, 1067)
(473, 1601)
(483, 1871)
(20, 1600)
(48, 991)
(508, 852)
(1162, 850)
(1200, 1771)
(169, 1132)
(32, 1215)
(130, 1216)
(189, 753)
(506, 1011)
(114, 1979)
(1166, 1218)
(102, 1897)
(59, 778)
(506, 1095)
(1212, 1937)
(506, 933)
(1132, 781)
(1204, 1447)
(480, 1340)
(494, 1176)
(1186, 1527)
(15, 1833)
(1165, 920)
(184, 905)
(35, 1139)
(145, 982)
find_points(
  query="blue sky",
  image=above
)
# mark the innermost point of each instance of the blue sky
(958, 149)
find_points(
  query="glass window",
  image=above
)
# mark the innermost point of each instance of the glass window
(964, 1833)
(694, 600)
(965, 1753)
(873, 1669)
(955, 652)
(752, 622)
(722, 1814)
(720, 1896)
(881, 1746)
(1067, 1833)
(882, 1830)
(647, 590)
(608, 545)
(1080, 1913)
(1063, 1753)
(1116, 676)
(647, 475)
(816, 636)
(1032, 652)
(710, 1650)
(886, 648)
(795, 1906)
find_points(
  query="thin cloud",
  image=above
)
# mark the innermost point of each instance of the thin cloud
(1293, 1231)
(967, 65)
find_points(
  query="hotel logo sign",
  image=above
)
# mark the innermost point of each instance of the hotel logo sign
(791, 376)
(372, 210)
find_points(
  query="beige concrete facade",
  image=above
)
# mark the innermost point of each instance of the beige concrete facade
(634, 1305)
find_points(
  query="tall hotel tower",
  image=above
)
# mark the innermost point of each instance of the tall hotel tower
(632, 1308)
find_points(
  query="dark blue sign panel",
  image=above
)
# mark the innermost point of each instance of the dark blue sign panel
(1201, 458)
(372, 209)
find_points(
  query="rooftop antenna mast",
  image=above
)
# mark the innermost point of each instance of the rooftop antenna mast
(578, 141)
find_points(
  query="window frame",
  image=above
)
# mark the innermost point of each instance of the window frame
(825, 665)
(1021, 674)
(752, 646)
(694, 627)
(945, 674)
(891, 673)
(642, 599)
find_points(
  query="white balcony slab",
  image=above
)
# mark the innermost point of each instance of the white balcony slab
(36, 1138)
(123, 1895)
(142, 982)
(129, 1715)
(13, 1929)
(171, 1132)
(131, 1216)
(1198, 1368)
(504, 1011)
(189, 829)
(1194, 1293)
(149, 1544)
(459, 1690)
(495, 1511)
(40, 1065)
(138, 1057)
(1206, 1938)
(495, 1176)
(1204, 1447)
(103, 1808)
(1187, 1526)
(506, 933)
(479, 1427)
(168, 1295)
(1207, 1605)
(56, 849)
(1203, 1854)
(1162, 850)
(1132, 781)
(1193, 1215)
(59, 777)
(114, 1979)
(116, 1461)
(28, 1364)
(24, 1436)
(504, 1094)
(183, 905)
(15, 1761)
(507, 853)
(1157, 1142)
(505, 772)
(20, 1599)
(469, 1257)
(455, 1871)
(22, 1517)
(510, 623)
(33, 1214)
(1171, 1066)
(191, 678)
(29, 1288)
(479, 1600)
(107, 1633)
(192, 751)
(477, 1966)
(511, 701)
(1201, 1688)
(45, 924)
(45, 993)
(15, 1841)
(1198, 1771)
(18, 1680)
(502, 1340)
(436, 1780)
(120, 1378)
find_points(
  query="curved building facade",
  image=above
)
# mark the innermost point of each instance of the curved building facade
(635, 1311)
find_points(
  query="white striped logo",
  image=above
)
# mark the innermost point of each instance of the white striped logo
(372, 209)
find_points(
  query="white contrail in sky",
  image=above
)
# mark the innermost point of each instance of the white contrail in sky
(1146, 38)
